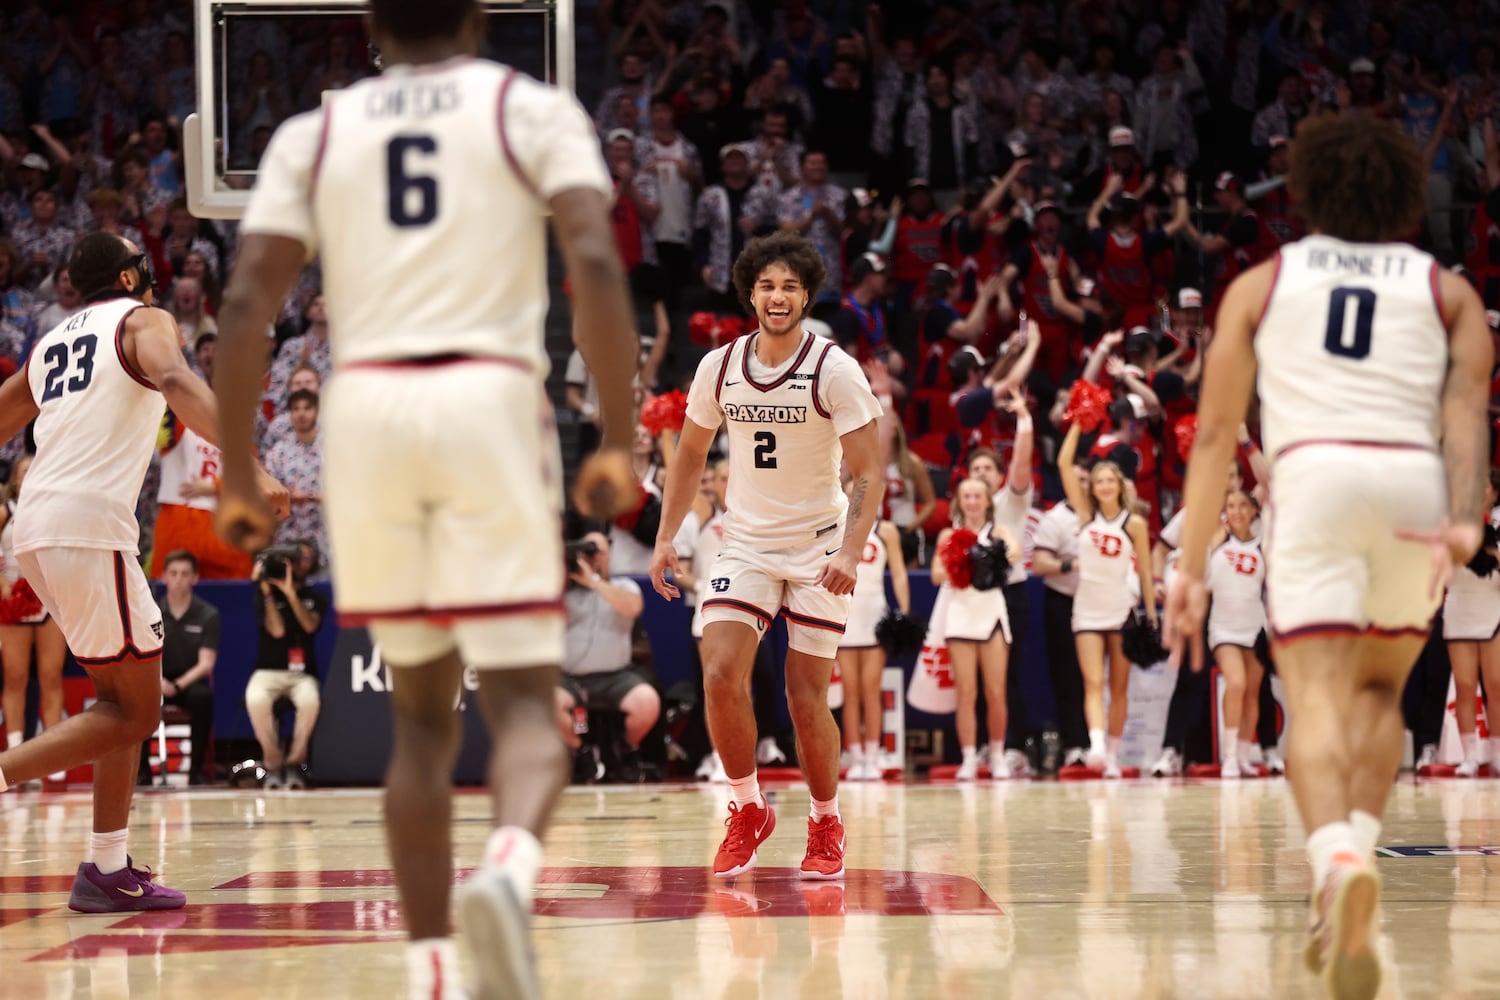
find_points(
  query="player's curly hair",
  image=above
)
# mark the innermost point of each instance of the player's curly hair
(421, 20)
(796, 252)
(1357, 178)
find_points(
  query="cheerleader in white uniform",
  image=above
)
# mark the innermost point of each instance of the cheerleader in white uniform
(1471, 627)
(24, 625)
(861, 658)
(977, 631)
(1108, 534)
(1236, 582)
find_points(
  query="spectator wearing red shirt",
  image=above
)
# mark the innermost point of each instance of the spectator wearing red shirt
(1276, 204)
(919, 240)
(1243, 242)
(1126, 249)
(1124, 162)
(1031, 263)
(945, 331)
(860, 324)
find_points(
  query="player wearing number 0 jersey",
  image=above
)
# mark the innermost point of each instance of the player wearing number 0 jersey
(795, 407)
(1373, 366)
(426, 192)
(96, 386)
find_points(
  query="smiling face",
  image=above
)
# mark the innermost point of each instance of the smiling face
(983, 468)
(1105, 483)
(974, 500)
(1239, 512)
(779, 299)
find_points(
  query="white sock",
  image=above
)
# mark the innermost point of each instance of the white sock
(1245, 749)
(745, 791)
(1327, 842)
(1366, 831)
(1470, 743)
(997, 753)
(1112, 749)
(516, 850)
(821, 809)
(872, 750)
(107, 850)
(971, 754)
(1096, 741)
(12, 740)
(432, 970)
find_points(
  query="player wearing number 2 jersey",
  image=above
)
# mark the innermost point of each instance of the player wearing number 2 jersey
(1373, 366)
(795, 407)
(95, 385)
(425, 191)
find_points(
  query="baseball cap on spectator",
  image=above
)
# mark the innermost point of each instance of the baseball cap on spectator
(35, 161)
(1120, 136)
(1138, 341)
(1045, 206)
(724, 151)
(918, 182)
(940, 280)
(616, 134)
(965, 360)
(1277, 142)
(1128, 407)
(865, 265)
(1085, 287)
(1124, 203)
(1227, 181)
(1189, 298)
(1018, 150)
(1361, 65)
(862, 197)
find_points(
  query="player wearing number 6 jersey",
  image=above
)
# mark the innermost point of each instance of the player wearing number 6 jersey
(796, 407)
(1373, 366)
(95, 384)
(426, 193)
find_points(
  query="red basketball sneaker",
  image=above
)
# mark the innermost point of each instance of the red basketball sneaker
(748, 827)
(825, 849)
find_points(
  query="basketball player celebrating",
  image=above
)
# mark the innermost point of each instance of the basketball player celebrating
(1353, 418)
(426, 191)
(95, 385)
(796, 406)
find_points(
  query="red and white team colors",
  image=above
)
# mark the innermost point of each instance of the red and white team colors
(1103, 599)
(785, 516)
(1471, 610)
(1236, 579)
(75, 525)
(867, 604)
(425, 191)
(1352, 352)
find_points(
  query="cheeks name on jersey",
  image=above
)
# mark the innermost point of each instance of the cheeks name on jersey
(747, 413)
(419, 99)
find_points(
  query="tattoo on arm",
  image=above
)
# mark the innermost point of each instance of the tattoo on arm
(856, 508)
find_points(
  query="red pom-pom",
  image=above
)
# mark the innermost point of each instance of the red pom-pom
(731, 328)
(1087, 406)
(955, 555)
(627, 521)
(664, 413)
(23, 604)
(1186, 430)
(701, 328)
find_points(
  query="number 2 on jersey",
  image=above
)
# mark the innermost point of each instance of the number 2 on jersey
(56, 360)
(403, 186)
(1337, 339)
(765, 450)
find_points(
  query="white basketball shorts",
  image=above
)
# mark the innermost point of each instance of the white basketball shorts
(442, 496)
(100, 599)
(751, 587)
(1333, 562)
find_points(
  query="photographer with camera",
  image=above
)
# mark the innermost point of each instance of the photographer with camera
(289, 613)
(602, 611)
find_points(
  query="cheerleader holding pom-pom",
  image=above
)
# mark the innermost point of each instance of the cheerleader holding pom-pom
(976, 626)
(1108, 534)
(1471, 627)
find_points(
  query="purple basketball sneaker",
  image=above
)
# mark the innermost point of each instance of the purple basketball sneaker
(124, 891)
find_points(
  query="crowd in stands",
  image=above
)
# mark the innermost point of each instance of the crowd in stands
(1100, 168)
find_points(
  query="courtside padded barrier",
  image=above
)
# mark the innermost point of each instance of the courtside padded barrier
(947, 772)
(1077, 772)
(1446, 771)
(1214, 771)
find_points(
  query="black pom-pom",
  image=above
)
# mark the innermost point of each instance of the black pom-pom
(900, 635)
(991, 563)
(1484, 562)
(1141, 640)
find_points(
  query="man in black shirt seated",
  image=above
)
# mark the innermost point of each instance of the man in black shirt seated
(289, 613)
(190, 648)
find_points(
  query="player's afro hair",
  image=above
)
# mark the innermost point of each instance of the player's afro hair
(1357, 178)
(796, 252)
(420, 20)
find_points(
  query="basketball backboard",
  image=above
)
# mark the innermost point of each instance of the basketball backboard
(255, 66)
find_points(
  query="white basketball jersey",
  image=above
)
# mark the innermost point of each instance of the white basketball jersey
(784, 438)
(191, 458)
(94, 436)
(1237, 579)
(1352, 346)
(869, 575)
(425, 190)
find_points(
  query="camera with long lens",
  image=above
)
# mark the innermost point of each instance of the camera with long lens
(573, 551)
(275, 561)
